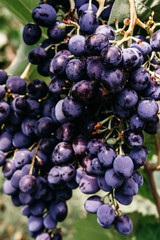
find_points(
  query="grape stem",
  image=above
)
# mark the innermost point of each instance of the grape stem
(101, 7)
(155, 166)
(33, 160)
(90, 5)
(73, 8)
(24, 75)
(149, 26)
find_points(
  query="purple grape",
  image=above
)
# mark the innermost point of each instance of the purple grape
(92, 204)
(105, 215)
(112, 179)
(44, 15)
(147, 109)
(113, 79)
(35, 224)
(122, 198)
(139, 157)
(106, 155)
(123, 224)
(123, 166)
(88, 184)
(31, 33)
(88, 22)
(28, 184)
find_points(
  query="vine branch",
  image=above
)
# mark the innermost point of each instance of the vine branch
(153, 186)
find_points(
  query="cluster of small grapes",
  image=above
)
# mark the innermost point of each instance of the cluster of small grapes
(85, 129)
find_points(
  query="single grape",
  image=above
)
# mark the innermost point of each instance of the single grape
(97, 167)
(138, 178)
(76, 45)
(75, 70)
(62, 153)
(112, 179)
(155, 42)
(56, 34)
(72, 108)
(92, 204)
(4, 111)
(133, 139)
(37, 208)
(127, 98)
(83, 90)
(35, 224)
(58, 210)
(106, 155)
(152, 126)
(79, 144)
(122, 198)
(44, 15)
(28, 184)
(88, 21)
(139, 79)
(107, 30)
(88, 184)
(31, 33)
(95, 43)
(136, 123)
(129, 187)
(48, 222)
(16, 84)
(37, 89)
(3, 77)
(111, 56)
(147, 109)
(139, 157)
(37, 55)
(123, 166)
(113, 79)
(123, 224)
(105, 215)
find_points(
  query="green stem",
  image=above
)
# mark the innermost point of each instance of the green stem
(101, 7)
(33, 160)
(24, 75)
(90, 5)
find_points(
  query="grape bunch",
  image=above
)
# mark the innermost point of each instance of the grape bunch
(85, 129)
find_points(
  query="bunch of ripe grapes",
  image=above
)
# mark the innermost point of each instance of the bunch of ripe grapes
(85, 129)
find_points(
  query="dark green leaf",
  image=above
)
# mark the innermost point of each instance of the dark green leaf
(21, 61)
(149, 142)
(22, 9)
(145, 191)
(144, 9)
(144, 227)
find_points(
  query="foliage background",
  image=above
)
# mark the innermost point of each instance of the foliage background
(78, 225)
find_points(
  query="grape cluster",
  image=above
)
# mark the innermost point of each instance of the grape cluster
(85, 128)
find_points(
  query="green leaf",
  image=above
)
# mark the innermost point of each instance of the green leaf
(144, 8)
(20, 62)
(22, 9)
(144, 227)
(149, 142)
(145, 191)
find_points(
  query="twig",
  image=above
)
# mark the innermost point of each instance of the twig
(153, 186)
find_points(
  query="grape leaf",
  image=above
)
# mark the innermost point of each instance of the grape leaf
(22, 9)
(149, 142)
(145, 191)
(144, 227)
(144, 8)
(20, 63)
